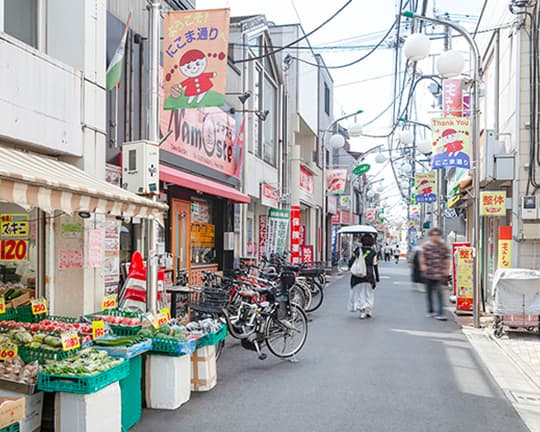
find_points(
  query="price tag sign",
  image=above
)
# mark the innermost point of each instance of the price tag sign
(70, 340)
(167, 312)
(109, 302)
(39, 306)
(159, 319)
(98, 329)
(2, 305)
(8, 351)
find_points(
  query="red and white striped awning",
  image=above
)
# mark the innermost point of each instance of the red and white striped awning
(32, 180)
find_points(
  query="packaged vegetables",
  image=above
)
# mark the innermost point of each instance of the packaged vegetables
(14, 369)
(86, 362)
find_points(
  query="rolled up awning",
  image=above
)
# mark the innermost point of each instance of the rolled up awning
(32, 180)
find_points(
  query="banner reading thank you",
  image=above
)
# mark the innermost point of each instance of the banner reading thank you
(195, 58)
(425, 187)
(451, 142)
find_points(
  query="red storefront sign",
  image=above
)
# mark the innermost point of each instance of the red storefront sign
(452, 98)
(269, 196)
(336, 219)
(306, 183)
(345, 218)
(454, 248)
(307, 254)
(295, 235)
(263, 234)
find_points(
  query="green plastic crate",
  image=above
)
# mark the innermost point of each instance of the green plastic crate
(10, 314)
(172, 347)
(29, 355)
(213, 338)
(131, 394)
(118, 329)
(83, 384)
(124, 330)
(12, 428)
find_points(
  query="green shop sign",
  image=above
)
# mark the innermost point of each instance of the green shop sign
(362, 169)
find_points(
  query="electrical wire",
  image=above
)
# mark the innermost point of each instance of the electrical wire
(297, 40)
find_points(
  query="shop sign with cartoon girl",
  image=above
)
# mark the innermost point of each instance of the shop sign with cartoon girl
(451, 142)
(195, 58)
(425, 187)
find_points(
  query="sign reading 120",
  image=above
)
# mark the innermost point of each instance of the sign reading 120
(13, 250)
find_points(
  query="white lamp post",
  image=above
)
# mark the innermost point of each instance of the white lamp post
(406, 167)
(417, 46)
(380, 158)
(424, 146)
(355, 130)
(406, 137)
(337, 141)
(450, 64)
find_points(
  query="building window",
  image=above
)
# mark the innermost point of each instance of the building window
(269, 124)
(203, 232)
(326, 99)
(20, 20)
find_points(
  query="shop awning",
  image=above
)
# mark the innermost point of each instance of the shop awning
(190, 181)
(32, 180)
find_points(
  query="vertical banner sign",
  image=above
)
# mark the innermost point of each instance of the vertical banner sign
(455, 246)
(452, 98)
(263, 234)
(426, 187)
(451, 142)
(278, 225)
(336, 180)
(295, 235)
(492, 203)
(307, 254)
(195, 49)
(505, 247)
(238, 148)
(414, 212)
(464, 278)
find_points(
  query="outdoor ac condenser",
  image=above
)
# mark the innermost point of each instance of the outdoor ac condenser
(140, 167)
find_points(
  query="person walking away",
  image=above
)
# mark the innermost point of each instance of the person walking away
(435, 268)
(416, 273)
(362, 295)
(397, 253)
(387, 252)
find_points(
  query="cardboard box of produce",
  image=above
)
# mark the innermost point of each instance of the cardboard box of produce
(203, 369)
(22, 300)
(11, 412)
(33, 410)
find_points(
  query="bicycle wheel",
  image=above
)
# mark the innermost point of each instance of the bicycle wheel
(286, 337)
(219, 349)
(297, 296)
(317, 295)
(304, 285)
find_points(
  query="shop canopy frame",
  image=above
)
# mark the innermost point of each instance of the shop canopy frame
(32, 180)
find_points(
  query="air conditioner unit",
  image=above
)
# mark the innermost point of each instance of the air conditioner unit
(140, 167)
(489, 147)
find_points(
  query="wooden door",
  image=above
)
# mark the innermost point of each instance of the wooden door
(181, 235)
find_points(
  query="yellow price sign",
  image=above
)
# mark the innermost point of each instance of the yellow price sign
(70, 340)
(98, 329)
(109, 302)
(8, 351)
(167, 312)
(2, 305)
(159, 319)
(39, 306)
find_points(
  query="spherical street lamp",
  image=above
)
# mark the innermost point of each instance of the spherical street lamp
(404, 184)
(337, 141)
(450, 64)
(406, 137)
(380, 157)
(424, 146)
(406, 168)
(380, 188)
(417, 47)
(355, 130)
(370, 194)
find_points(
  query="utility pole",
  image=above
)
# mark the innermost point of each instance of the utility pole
(153, 136)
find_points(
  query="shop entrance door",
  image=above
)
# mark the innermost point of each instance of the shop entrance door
(181, 235)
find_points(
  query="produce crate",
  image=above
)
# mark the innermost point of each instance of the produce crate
(120, 330)
(212, 338)
(24, 314)
(82, 384)
(127, 352)
(68, 320)
(10, 314)
(13, 428)
(29, 355)
(131, 394)
(173, 347)
(125, 330)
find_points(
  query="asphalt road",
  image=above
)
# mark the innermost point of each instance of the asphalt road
(398, 371)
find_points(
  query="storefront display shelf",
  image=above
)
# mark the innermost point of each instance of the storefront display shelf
(29, 355)
(173, 347)
(82, 384)
(12, 428)
(212, 338)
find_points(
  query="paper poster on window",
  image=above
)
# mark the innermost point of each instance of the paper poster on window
(95, 248)
(426, 187)
(70, 258)
(195, 49)
(71, 226)
(451, 142)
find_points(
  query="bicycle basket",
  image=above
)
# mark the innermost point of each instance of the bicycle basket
(287, 279)
(208, 299)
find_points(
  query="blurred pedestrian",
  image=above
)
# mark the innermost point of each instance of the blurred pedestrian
(387, 253)
(435, 268)
(361, 295)
(397, 253)
(417, 278)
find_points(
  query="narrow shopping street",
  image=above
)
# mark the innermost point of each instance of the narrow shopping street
(397, 371)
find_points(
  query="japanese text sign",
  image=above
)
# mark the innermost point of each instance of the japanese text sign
(452, 98)
(307, 254)
(455, 246)
(451, 142)
(195, 49)
(295, 235)
(269, 196)
(263, 234)
(504, 255)
(464, 278)
(492, 203)
(14, 225)
(8, 350)
(96, 240)
(336, 180)
(70, 340)
(426, 187)
(109, 302)
(306, 183)
(98, 329)
(39, 306)
(278, 226)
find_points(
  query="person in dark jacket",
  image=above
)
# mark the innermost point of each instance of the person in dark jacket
(361, 295)
(417, 277)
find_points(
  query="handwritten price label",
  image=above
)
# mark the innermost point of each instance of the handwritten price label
(109, 302)
(98, 329)
(159, 319)
(39, 306)
(8, 351)
(2, 305)
(167, 312)
(70, 340)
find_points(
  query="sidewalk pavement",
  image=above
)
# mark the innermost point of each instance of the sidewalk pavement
(514, 362)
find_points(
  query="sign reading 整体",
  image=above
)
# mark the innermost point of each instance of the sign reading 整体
(451, 142)
(464, 278)
(278, 225)
(505, 247)
(426, 187)
(492, 203)
(295, 235)
(195, 58)
(336, 180)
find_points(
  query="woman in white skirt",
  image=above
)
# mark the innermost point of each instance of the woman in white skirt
(362, 295)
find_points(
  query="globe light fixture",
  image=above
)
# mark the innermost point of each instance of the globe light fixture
(417, 47)
(424, 146)
(406, 137)
(355, 130)
(337, 141)
(450, 64)
(406, 168)
(380, 188)
(404, 184)
(380, 158)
